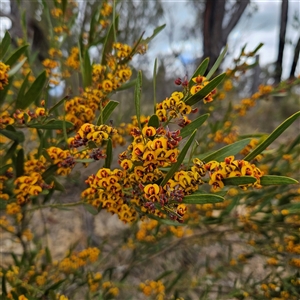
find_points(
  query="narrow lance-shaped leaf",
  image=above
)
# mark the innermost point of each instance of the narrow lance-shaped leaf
(187, 130)
(109, 154)
(276, 180)
(127, 85)
(206, 90)
(165, 221)
(200, 70)
(239, 180)
(52, 169)
(56, 105)
(133, 51)
(87, 69)
(180, 159)
(22, 91)
(10, 153)
(4, 92)
(20, 163)
(90, 208)
(217, 63)
(272, 137)
(156, 31)
(137, 97)
(107, 47)
(154, 83)
(107, 111)
(16, 67)
(11, 133)
(153, 121)
(52, 124)
(16, 55)
(33, 92)
(202, 199)
(228, 150)
(5, 43)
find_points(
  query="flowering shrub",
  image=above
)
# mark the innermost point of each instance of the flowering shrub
(173, 178)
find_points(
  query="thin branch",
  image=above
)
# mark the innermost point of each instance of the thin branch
(234, 18)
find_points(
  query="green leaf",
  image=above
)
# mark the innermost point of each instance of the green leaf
(11, 133)
(154, 83)
(206, 90)
(217, 63)
(20, 163)
(187, 130)
(133, 51)
(180, 159)
(52, 124)
(16, 68)
(3, 285)
(57, 185)
(10, 153)
(107, 111)
(22, 91)
(107, 47)
(3, 169)
(165, 221)
(64, 6)
(93, 23)
(137, 97)
(48, 255)
(202, 198)
(33, 92)
(92, 145)
(153, 121)
(109, 154)
(4, 92)
(84, 160)
(228, 150)
(54, 287)
(51, 170)
(200, 70)
(127, 85)
(56, 105)
(90, 208)
(87, 69)
(5, 43)
(257, 48)
(239, 180)
(156, 31)
(16, 55)
(272, 137)
(276, 180)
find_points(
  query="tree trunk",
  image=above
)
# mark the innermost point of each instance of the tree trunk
(215, 34)
(295, 59)
(283, 24)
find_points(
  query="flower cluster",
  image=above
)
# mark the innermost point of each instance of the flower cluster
(63, 159)
(200, 83)
(89, 132)
(76, 260)
(73, 59)
(105, 190)
(151, 287)
(247, 103)
(3, 75)
(174, 107)
(218, 171)
(5, 119)
(27, 186)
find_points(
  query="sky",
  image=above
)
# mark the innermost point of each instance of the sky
(263, 27)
